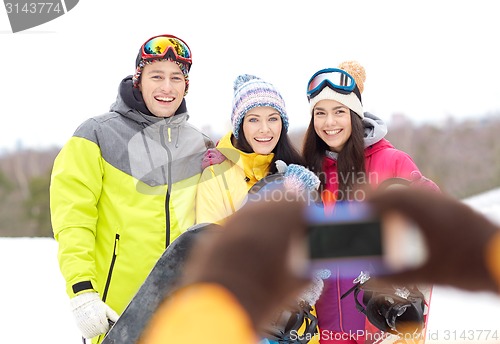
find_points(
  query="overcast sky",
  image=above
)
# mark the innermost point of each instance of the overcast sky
(426, 59)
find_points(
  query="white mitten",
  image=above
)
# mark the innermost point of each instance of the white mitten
(91, 314)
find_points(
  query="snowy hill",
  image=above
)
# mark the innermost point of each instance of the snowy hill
(34, 307)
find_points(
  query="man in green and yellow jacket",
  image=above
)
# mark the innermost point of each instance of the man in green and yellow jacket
(123, 187)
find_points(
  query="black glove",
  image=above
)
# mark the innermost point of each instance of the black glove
(455, 234)
(258, 255)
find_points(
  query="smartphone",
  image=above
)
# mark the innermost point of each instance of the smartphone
(354, 238)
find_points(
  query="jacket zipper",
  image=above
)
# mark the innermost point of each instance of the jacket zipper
(169, 183)
(111, 266)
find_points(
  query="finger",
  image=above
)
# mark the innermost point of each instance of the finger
(412, 276)
(422, 206)
(111, 314)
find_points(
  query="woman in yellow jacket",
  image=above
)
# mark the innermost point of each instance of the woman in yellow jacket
(249, 153)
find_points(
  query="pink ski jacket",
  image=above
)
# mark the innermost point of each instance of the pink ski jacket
(382, 161)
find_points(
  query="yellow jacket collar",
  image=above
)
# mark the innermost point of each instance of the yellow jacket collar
(256, 166)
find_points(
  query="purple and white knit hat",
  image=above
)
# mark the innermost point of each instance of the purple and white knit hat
(250, 92)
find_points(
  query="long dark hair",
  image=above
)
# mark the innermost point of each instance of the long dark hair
(350, 162)
(284, 149)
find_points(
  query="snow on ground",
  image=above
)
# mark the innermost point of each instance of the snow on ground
(34, 307)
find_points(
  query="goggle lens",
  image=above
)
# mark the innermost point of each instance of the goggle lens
(335, 78)
(158, 47)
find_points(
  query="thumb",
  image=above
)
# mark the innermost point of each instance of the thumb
(417, 275)
(111, 314)
(407, 277)
(281, 166)
(415, 175)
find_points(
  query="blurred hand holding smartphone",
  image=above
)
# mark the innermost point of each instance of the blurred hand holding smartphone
(354, 238)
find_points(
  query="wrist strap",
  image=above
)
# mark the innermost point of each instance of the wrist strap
(81, 286)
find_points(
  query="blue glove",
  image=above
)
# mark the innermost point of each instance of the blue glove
(298, 177)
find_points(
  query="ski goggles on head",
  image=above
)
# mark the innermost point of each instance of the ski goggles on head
(166, 46)
(337, 79)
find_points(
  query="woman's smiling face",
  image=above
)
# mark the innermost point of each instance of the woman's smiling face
(332, 123)
(262, 129)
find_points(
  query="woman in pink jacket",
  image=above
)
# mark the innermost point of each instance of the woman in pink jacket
(346, 147)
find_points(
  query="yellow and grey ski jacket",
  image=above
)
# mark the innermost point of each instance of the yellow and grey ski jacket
(122, 188)
(223, 187)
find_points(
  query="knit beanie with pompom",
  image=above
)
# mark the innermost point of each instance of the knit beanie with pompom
(250, 92)
(351, 100)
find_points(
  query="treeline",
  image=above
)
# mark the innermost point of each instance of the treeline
(463, 158)
(24, 192)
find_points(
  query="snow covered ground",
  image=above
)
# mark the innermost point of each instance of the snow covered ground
(34, 307)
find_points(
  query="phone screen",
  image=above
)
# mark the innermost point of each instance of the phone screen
(347, 242)
(348, 239)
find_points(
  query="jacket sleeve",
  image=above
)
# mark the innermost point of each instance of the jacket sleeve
(403, 164)
(75, 188)
(213, 200)
(405, 167)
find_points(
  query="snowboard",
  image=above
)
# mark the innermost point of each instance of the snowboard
(161, 281)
